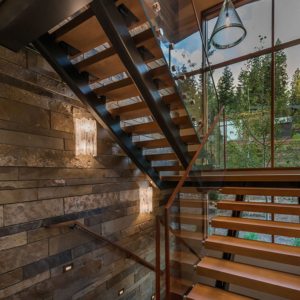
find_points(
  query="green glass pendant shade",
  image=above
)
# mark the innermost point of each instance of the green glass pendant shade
(229, 30)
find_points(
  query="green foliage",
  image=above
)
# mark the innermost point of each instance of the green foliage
(213, 195)
(296, 242)
(251, 236)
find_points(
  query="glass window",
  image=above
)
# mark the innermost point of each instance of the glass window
(287, 21)
(257, 19)
(287, 107)
(245, 89)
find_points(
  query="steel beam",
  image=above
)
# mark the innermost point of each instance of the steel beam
(78, 82)
(115, 28)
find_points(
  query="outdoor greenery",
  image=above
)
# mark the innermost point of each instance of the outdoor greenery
(248, 111)
(251, 236)
(296, 242)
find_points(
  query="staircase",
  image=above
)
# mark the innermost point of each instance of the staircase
(111, 58)
(186, 272)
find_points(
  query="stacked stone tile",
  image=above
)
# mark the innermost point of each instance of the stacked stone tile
(42, 182)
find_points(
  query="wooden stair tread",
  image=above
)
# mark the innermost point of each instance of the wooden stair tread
(264, 280)
(196, 203)
(186, 218)
(125, 88)
(145, 128)
(239, 178)
(163, 143)
(275, 208)
(161, 157)
(85, 32)
(107, 63)
(186, 215)
(183, 257)
(153, 127)
(262, 250)
(179, 286)
(205, 292)
(168, 168)
(152, 144)
(260, 226)
(262, 191)
(190, 235)
(140, 109)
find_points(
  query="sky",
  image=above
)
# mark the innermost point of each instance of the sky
(257, 20)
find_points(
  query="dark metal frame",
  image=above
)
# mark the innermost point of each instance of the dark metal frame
(114, 26)
(231, 233)
(57, 57)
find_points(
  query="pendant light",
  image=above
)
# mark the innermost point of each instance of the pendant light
(229, 30)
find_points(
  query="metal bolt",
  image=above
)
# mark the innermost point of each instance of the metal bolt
(159, 32)
(173, 68)
(171, 46)
(156, 7)
(193, 101)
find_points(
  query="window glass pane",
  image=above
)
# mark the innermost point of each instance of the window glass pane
(245, 89)
(257, 19)
(287, 21)
(287, 107)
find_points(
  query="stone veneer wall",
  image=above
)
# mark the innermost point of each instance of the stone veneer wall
(42, 182)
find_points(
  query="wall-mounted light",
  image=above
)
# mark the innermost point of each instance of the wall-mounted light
(121, 292)
(86, 137)
(146, 195)
(68, 267)
(152, 297)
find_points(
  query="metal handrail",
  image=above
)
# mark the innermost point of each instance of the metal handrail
(97, 235)
(172, 199)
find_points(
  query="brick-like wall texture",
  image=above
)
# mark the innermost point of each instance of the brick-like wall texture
(42, 182)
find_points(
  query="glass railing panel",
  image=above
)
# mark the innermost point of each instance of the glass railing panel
(176, 28)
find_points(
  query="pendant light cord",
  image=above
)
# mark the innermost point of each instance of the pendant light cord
(206, 54)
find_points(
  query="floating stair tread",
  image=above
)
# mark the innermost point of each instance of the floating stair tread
(179, 286)
(264, 280)
(183, 257)
(145, 128)
(85, 32)
(196, 203)
(260, 226)
(125, 88)
(275, 208)
(240, 178)
(164, 156)
(261, 191)
(107, 63)
(204, 292)
(262, 250)
(186, 218)
(186, 215)
(161, 157)
(140, 110)
(190, 235)
(152, 144)
(168, 168)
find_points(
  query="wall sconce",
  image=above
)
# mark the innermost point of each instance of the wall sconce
(86, 137)
(146, 205)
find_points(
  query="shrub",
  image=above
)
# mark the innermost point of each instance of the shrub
(251, 236)
(296, 242)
